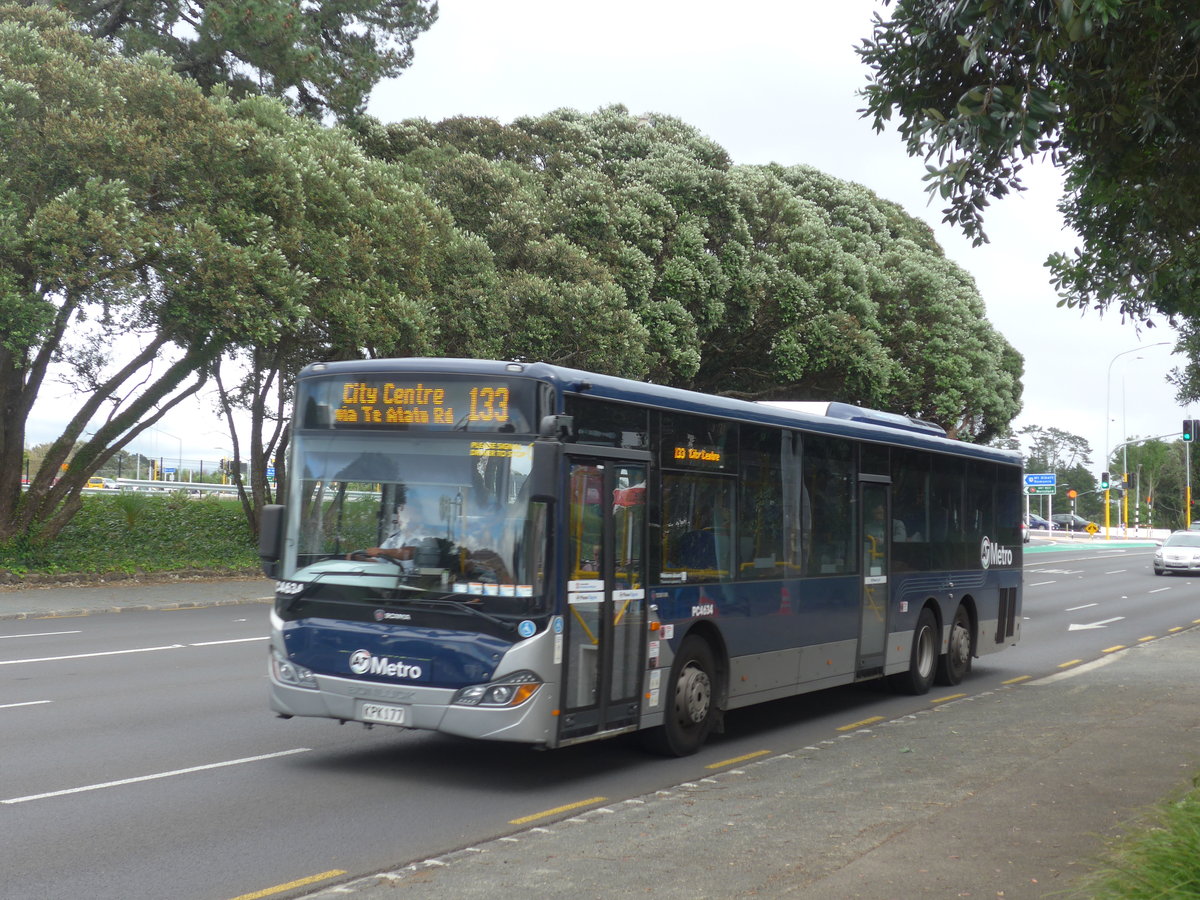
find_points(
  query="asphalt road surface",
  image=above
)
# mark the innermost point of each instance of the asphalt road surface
(139, 759)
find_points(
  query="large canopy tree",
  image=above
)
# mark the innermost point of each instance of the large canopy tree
(323, 57)
(149, 229)
(1106, 90)
(759, 282)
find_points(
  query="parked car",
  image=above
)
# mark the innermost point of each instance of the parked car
(1037, 522)
(1070, 521)
(97, 482)
(1180, 552)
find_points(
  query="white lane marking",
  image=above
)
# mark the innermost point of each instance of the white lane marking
(38, 634)
(1159, 590)
(26, 703)
(1100, 624)
(12, 662)
(1040, 583)
(1085, 606)
(124, 781)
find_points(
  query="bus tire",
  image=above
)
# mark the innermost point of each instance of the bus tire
(955, 663)
(922, 661)
(691, 701)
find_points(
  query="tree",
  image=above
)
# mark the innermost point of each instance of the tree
(322, 57)
(1105, 90)
(384, 265)
(148, 229)
(848, 297)
(759, 282)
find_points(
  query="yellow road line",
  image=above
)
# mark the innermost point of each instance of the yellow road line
(1113, 649)
(591, 801)
(1017, 680)
(853, 725)
(1175, 629)
(291, 885)
(736, 760)
(1148, 637)
(1068, 665)
(947, 699)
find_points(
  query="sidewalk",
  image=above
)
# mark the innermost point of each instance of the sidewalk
(1011, 793)
(53, 601)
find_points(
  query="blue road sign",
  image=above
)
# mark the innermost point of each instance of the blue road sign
(1049, 479)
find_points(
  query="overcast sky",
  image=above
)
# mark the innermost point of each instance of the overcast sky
(776, 81)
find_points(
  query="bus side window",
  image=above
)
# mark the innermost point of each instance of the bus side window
(829, 486)
(697, 513)
(761, 535)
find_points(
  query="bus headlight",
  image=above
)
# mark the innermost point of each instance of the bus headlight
(288, 672)
(510, 690)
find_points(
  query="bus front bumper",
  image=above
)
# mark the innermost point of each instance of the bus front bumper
(424, 708)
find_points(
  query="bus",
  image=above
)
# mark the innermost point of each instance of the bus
(524, 552)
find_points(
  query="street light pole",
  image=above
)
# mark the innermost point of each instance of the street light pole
(1107, 412)
(179, 468)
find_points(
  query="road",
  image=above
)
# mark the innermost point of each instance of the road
(139, 759)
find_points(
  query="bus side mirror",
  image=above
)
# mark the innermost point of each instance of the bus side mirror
(543, 476)
(270, 538)
(557, 428)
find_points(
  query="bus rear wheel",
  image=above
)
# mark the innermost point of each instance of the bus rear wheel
(922, 661)
(954, 665)
(691, 701)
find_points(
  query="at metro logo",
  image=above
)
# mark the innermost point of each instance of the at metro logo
(991, 554)
(363, 662)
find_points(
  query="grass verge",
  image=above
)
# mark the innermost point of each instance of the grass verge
(133, 533)
(1160, 861)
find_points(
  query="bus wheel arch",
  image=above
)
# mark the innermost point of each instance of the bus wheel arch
(694, 696)
(923, 654)
(954, 665)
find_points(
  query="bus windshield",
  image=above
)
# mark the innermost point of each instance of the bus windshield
(440, 517)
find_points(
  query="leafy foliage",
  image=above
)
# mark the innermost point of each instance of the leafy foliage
(1106, 90)
(1160, 860)
(154, 237)
(166, 536)
(761, 282)
(324, 58)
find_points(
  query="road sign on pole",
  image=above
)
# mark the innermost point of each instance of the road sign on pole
(1047, 481)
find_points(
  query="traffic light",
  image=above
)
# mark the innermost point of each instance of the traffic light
(1189, 430)
(1104, 481)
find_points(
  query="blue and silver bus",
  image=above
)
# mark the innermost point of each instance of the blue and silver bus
(529, 553)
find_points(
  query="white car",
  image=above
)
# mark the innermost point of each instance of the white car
(1180, 552)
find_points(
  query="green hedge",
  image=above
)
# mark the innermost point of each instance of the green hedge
(136, 532)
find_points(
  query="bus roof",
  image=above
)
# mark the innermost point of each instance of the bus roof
(843, 419)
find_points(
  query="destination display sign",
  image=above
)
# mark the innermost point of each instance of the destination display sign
(415, 403)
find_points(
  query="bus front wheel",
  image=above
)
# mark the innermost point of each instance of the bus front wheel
(691, 701)
(922, 661)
